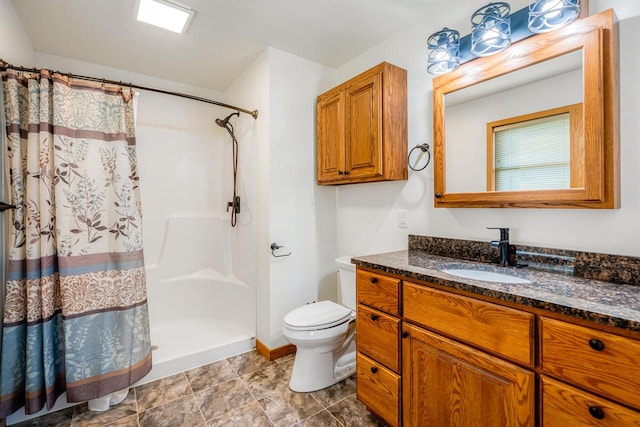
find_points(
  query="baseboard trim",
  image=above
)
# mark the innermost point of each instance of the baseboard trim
(276, 353)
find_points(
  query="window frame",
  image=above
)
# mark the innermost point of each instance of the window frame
(576, 142)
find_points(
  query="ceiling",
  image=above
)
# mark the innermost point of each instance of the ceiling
(224, 37)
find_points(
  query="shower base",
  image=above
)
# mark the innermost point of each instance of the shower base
(184, 344)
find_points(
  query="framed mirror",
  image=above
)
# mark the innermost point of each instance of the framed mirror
(533, 126)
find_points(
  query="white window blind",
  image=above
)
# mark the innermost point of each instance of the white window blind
(533, 155)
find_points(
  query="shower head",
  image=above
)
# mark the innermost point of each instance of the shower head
(223, 122)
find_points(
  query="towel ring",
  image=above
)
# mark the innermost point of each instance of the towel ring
(425, 149)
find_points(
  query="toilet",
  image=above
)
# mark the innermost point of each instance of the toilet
(324, 333)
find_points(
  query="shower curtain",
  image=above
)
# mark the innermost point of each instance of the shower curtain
(75, 315)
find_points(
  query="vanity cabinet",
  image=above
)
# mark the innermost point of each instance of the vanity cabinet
(431, 357)
(362, 128)
(378, 328)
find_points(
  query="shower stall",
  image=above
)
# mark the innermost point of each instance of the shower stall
(201, 271)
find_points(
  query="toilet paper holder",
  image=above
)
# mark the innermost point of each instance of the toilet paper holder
(275, 247)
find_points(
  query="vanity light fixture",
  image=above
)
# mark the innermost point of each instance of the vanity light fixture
(165, 14)
(444, 51)
(547, 15)
(490, 29)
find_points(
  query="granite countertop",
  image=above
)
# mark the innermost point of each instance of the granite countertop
(606, 303)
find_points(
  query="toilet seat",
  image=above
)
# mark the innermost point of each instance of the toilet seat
(319, 315)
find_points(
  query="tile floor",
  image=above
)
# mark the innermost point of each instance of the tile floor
(245, 390)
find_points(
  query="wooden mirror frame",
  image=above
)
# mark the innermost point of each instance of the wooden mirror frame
(597, 36)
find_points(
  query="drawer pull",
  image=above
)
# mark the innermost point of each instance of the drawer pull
(374, 370)
(596, 412)
(374, 317)
(596, 344)
(404, 334)
(374, 280)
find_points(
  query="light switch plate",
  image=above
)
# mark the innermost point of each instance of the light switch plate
(402, 218)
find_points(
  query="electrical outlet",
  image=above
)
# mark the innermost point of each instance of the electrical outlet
(402, 218)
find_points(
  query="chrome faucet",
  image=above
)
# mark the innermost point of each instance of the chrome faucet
(502, 244)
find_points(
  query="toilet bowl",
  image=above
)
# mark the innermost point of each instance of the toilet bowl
(324, 335)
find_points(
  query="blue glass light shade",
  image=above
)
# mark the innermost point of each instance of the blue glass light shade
(547, 15)
(490, 29)
(444, 51)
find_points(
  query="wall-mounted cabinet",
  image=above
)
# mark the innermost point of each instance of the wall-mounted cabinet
(362, 128)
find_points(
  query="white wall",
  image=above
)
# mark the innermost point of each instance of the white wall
(367, 213)
(301, 214)
(15, 45)
(288, 209)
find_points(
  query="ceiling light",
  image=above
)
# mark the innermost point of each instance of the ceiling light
(165, 14)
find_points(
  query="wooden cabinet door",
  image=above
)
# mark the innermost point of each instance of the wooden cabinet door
(363, 102)
(331, 136)
(445, 383)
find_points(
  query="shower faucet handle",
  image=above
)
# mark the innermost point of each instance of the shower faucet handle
(235, 205)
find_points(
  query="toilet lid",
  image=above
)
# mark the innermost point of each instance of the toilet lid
(319, 315)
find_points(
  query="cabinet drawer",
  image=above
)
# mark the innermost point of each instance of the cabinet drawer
(381, 292)
(604, 363)
(377, 336)
(379, 389)
(501, 330)
(563, 405)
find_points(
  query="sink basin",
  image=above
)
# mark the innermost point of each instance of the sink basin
(487, 276)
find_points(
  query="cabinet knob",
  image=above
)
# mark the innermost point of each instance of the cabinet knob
(374, 370)
(404, 334)
(438, 195)
(596, 344)
(374, 316)
(596, 412)
(346, 172)
(340, 172)
(374, 280)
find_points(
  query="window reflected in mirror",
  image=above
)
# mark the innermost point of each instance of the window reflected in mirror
(537, 151)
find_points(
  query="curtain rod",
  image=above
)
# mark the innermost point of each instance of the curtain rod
(4, 65)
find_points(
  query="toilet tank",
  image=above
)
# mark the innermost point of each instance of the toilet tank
(346, 282)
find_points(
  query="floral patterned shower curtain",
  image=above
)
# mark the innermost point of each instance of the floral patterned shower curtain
(75, 314)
